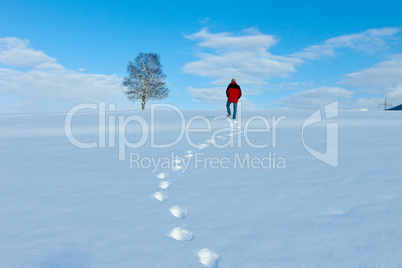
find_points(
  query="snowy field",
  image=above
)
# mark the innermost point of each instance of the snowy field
(166, 189)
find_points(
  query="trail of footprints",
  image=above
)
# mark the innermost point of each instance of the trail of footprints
(205, 255)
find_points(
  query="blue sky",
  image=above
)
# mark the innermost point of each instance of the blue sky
(284, 54)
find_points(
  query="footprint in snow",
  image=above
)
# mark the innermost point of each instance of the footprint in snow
(210, 141)
(202, 146)
(178, 212)
(161, 175)
(177, 167)
(159, 196)
(164, 184)
(208, 258)
(189, 154)
(177, 161)
(181, 234)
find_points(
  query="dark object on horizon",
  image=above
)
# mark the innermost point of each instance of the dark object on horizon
(396, 108)
(385, 105)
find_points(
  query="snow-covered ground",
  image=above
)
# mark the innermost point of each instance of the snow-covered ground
(196, 190)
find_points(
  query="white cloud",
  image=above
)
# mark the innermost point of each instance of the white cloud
(315, 98)
(15, 52)
(368, 41)
(244, 57)
(378, 77)
(46, 80)
(365, 104)
(208, 95)
(394, 94)
(251, 40)
(319, 97)
(67, 86)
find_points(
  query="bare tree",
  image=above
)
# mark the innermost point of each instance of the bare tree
(146, 80)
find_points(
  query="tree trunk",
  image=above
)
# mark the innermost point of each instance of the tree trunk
(143, 102)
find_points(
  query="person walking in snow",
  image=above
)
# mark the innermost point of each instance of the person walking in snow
(233, 92)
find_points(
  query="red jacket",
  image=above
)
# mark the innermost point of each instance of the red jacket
(233, 92)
